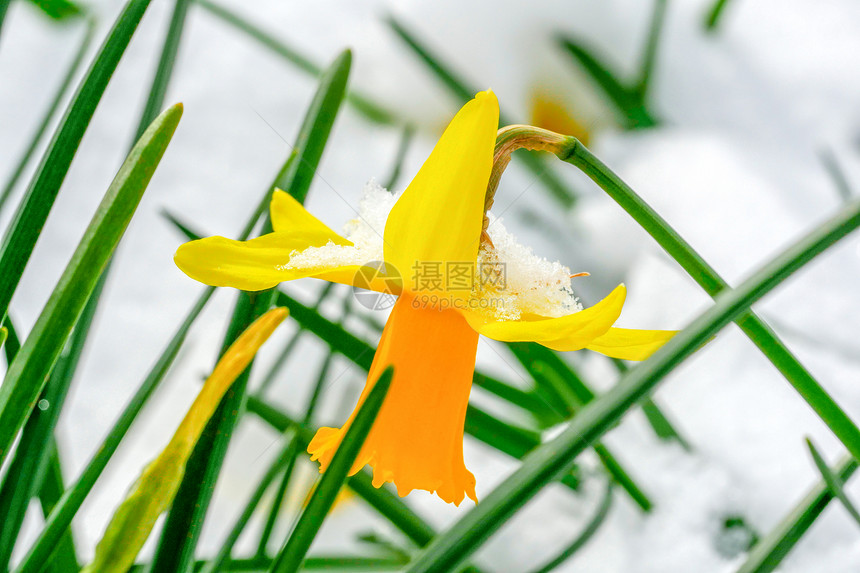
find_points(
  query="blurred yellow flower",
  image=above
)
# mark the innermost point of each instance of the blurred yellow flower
(432, 333)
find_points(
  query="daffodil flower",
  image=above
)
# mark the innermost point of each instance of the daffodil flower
(431, 335)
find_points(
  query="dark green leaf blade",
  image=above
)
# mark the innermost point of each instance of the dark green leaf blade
(833, 482)
(59, 9)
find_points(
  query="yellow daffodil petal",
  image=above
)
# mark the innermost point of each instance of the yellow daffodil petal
(571, 332)
(261, 263)
(417, 439)
(290, 216)
(630, 344)
(438, 218)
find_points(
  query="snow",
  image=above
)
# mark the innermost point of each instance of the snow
(735, 167)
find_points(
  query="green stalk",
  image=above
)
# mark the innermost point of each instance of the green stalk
(598, 417)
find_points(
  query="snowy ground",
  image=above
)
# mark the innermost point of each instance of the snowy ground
(735, 167)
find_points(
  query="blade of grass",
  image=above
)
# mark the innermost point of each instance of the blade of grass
(837, 175)
(25, 473)
(715, 15)
(291, 344)
(699, 270)
(627, 101)
(463, 92)
(546, 462)
(405, 140)
(64, 559)
(585, 536)
(652, 42)
(72, 499)
(12, 344)
(768, 553)
(59, 9)
(61, 516)
(175, 552)
(322, 499)
(4, 333)
(364, 105)
(4, 6)
(24, 477)
(189, 506)
(71, 72)
(27, 374)
(21, 236)
(833, 482)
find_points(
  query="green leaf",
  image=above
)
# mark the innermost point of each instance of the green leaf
(153, 491)
(61, 515)
(21, 236)
(649, 53)
(64, 559)
(371, 110)
(768, 553)
(59, 9)
(405, 140)
(832, 481)
(627, 101)
(699, 270)
(71, 72)
(322, 499)
(4, 333)
(553, 457)
(715, 15)
(27, 374)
